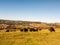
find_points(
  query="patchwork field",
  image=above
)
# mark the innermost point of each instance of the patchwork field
(43, 37)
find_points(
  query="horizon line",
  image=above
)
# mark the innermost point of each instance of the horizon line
(29, 20)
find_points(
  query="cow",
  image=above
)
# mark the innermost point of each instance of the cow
(21, 30)
(33, 29)
(7, 30)
(25, 30)
(52, 29)
(40, 29)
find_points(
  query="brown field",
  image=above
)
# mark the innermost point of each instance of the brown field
(43, 37)
(40, 37)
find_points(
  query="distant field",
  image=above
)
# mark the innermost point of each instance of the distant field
(43, 37)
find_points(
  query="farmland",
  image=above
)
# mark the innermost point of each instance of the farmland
(41, 37)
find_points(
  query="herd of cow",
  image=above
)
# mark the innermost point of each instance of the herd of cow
(51, 29)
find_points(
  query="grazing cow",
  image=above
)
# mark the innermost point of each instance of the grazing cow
(7, 30)
(40, 29)
(33, 29)
(25, 30)
(52, 29)
(21, 30)
(12, 30)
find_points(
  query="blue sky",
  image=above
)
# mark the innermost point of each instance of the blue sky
(30, 10)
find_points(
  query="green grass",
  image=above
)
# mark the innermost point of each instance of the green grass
(30, 38)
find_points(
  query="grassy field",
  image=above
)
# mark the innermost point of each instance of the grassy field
(43, 37)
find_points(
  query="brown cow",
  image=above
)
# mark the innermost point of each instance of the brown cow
(52, 29)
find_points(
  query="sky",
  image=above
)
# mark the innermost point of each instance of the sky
(30, 10)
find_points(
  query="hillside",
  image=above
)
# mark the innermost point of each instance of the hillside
(28, 23)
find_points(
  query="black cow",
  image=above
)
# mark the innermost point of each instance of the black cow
(25, 30)
(7, 30)
(21, 30)
(52, 29)
(33, 29)
(40, 29)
